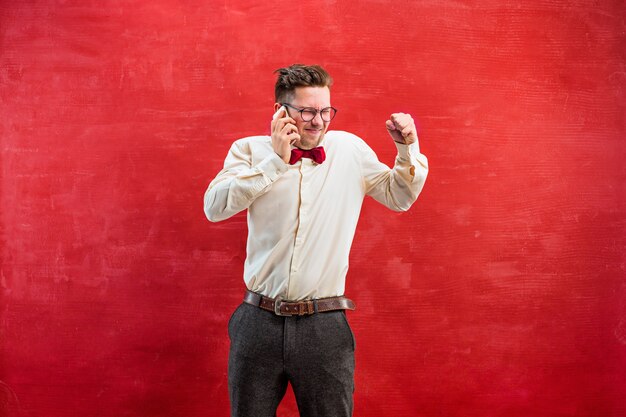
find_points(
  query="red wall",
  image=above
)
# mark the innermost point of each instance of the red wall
(501, 293)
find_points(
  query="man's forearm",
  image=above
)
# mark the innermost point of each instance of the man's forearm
(398, 188)
(230, 193)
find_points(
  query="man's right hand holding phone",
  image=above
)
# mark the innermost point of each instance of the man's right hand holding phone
(284, 133)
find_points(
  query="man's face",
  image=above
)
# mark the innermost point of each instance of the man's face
(311, 132)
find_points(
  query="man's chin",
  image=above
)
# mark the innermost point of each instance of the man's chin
(309, 142)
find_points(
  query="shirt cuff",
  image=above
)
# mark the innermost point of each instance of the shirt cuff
(408, 152)
(272, 167)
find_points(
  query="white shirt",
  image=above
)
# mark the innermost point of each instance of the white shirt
(302, 217)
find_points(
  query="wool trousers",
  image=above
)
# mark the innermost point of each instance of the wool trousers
(314, 353)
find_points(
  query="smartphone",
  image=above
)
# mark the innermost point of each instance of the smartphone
(276, 115)
(282, 108)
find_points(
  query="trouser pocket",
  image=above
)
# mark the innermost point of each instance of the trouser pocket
(345, 320)
(233, 320)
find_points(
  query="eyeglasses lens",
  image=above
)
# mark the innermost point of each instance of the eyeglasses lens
(327, 114)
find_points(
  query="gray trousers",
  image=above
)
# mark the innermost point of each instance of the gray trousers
(314, 353)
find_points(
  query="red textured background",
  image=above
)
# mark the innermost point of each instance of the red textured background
(501, 293)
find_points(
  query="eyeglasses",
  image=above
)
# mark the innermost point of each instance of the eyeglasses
(308, 113)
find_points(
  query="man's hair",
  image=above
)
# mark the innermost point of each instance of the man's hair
(298, 75)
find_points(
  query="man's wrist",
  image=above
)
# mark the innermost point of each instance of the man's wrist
(273, 166)
(406, 149)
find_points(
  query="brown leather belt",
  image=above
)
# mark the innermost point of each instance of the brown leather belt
(298, 308)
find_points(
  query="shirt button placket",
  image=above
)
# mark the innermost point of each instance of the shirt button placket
(302, 227)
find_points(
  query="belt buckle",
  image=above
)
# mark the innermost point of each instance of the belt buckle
(277, 303)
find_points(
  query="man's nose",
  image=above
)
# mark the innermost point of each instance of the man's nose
(317, 120)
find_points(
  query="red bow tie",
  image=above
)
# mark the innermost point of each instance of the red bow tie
(316, 154)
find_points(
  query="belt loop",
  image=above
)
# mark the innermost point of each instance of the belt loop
(315, 306)
(309, 307)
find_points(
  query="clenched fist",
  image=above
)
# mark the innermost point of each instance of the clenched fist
(401, 128)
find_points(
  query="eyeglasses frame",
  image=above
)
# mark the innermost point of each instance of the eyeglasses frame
(309, 109)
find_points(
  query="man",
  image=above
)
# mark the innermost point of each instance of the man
(303, 187)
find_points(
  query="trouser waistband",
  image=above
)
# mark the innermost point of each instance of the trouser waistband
(281, 307)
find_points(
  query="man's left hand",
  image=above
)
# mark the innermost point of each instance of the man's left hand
(401, 128)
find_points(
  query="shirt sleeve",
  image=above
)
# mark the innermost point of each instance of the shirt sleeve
(239, 183)
(397, 187)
